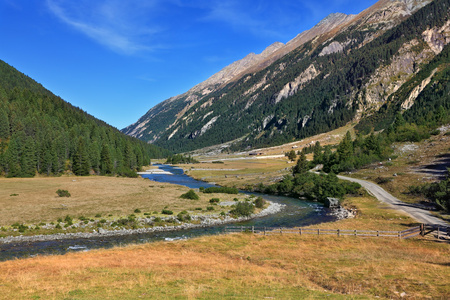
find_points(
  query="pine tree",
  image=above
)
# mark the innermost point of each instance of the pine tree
(106, 163)
(81, 164)
(302, 165)
(4, 125)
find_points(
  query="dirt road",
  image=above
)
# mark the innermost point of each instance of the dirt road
(417, 213)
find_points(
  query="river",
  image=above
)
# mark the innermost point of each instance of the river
(295, 213)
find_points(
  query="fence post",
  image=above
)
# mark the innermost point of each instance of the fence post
(318, 231)
(399, 235)
(422, 229)
(300, 231)
(253, 229)
(378, 233)
(356, 233)
(439, 235)
(281, 230)
(339, 232)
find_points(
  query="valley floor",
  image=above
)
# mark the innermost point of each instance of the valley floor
(246, 266)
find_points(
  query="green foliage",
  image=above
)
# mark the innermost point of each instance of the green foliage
(191, 195)
(39, 132)
(63, 193)
(259, 202)
(214, 200)
(183, 216)
(220, 189)
(312, 186)
(209, 208)
(137, 211)
(327, 100)
(167, 212)
(242, 209)
(181, 159)
(438, 192)
(291, 155)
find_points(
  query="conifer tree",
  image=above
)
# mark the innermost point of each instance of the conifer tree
(81, 165)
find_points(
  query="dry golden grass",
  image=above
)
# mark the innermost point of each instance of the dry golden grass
(37, 201)
(239, 266)
(240, 173)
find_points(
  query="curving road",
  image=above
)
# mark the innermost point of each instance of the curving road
(421, 215)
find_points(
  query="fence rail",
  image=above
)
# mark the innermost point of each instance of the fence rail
(441, 232)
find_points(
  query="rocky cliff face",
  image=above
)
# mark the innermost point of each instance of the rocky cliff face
(343, 69)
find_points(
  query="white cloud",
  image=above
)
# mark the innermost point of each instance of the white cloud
(118, 25)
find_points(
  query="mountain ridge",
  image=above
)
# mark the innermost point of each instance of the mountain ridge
(342, 75)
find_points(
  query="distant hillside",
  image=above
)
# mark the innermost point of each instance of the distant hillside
(345, 69)
(40, 132)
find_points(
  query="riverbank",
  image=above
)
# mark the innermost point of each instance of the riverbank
(246, 266)
(199, 221)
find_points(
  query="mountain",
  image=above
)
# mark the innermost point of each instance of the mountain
(344, 69)
(40, 132)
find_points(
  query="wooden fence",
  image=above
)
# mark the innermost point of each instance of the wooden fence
(422, 230)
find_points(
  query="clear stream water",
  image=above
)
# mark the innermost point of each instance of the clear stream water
(296, 213)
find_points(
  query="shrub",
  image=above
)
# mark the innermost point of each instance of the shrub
(382, 180)
(157, 220)
(243, 209)
(167, 212)
(183, 216)
(198, 208)
(209, 208)
(68, 220)
(191, 195)
(98, 215)
(22, 228)
(214, 200)
(137, 211)
(259, 202)
(63, 193)
(58, 226)
(220, 189)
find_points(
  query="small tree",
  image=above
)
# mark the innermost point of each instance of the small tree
(191, 195)
(292, 156)
(63, 193)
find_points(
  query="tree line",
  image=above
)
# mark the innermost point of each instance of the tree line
(41, 133)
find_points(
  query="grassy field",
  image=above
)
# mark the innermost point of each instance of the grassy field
(246, 266)
(34, 200)
(241, 172)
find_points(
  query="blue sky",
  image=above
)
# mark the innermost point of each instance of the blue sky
(116, 59)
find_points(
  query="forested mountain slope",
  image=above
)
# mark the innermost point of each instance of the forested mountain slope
(379, 59)
(40, 132)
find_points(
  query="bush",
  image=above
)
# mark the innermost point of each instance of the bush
(219, 189)
(68, 219)
(183, 216)
(191, 195)
(259, 202)
(214, 200)
(63, 193)
(244, 209)
(137, 211)
(209, 208)
(98, 215)
(167, 212)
